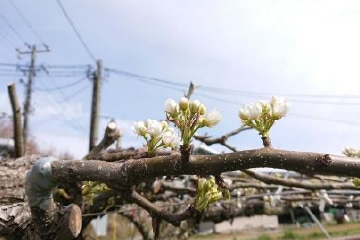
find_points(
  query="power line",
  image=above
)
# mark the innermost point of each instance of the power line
(61, 87)
(76, 31)
(129, 74)
(68, 97)
(78, 125)
(68, 66)
(157, 84)
(171, 85)
(57, 88)
(8, 41)
(223, 91)
(11, 64)
(12, 28)
(25, 21)
(175, 86)
(61, 67)
(60, 71)
(323, 119)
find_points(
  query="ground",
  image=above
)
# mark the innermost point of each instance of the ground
(287, 232)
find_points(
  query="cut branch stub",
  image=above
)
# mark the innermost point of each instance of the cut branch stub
(39, 188)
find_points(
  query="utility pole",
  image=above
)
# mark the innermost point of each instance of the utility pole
(28, 86)
(95, 103)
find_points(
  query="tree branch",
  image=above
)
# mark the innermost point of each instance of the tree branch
(135, 171)
(112, 133)
(222, 140)
(293, 183)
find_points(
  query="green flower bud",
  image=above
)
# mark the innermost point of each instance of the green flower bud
(207, 193)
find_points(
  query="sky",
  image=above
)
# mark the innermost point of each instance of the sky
(237, 51)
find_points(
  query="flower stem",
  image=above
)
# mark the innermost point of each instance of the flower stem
(266, 141)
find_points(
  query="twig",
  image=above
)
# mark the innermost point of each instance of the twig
(174, 219)
(222, 140)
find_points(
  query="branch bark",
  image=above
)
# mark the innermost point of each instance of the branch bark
(293, 183)
(121, 176)
(112, 133)
(135, 171)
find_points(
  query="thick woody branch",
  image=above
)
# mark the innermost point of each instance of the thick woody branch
(114, 156)
(44, 213)
(136, 171)
(293, 183)
(46, 173)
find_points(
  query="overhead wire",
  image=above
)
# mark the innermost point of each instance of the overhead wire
(27, 23)
(7, 40)
(18, 35)
(172, 85)
(75, 124)
(76, 93)
(76, 31)
(146, 80)
(292, 97)
(68, 66)
(61, 87)
(11, 64)
(60, 71)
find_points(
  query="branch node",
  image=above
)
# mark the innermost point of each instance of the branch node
(324, 161)
(266, 142)
(185, 153)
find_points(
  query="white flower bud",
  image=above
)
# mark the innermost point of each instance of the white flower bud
(170, 139)
(171, 107)
(194, 106)
(266, 107)
(212, 118)
(202, 109)
(279, 107)
(139, 128)
(184, 104)
(250, 111)
(154, 128)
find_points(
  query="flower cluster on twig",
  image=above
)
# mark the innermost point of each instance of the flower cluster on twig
(189, 116)
(262, 115)
(156, 134)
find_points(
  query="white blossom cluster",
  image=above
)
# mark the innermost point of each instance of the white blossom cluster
(157, 134)
(189, 116)
(351, 152)
(262, 115)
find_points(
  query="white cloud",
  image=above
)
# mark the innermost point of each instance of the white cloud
(46, 107)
